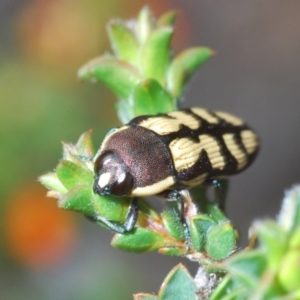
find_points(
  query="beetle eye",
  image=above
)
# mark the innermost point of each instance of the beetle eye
(102, 160)
(123, 185)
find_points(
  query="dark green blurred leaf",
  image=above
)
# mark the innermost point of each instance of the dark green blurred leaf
(155, 54)
(183, 67)
(118, 75)
(72, 175)
(138, 240)
(178, 285)
(123, 41)
(289, 270)
(150, 99)
(229, 290)
(221, 241)
(247, 267)
(274, 240)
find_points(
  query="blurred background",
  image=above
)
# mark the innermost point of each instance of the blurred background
(47, 253)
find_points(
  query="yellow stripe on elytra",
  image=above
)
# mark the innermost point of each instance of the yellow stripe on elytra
(196, 181)
(249, 140)
(230, 118)
(235, 150)
(161, 125)
(205, 114)
(186, 119)
(186, 152)
(154, 189)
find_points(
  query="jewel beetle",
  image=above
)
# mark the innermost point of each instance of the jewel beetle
(154, 155)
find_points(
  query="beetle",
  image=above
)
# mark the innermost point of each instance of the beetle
(167, 153)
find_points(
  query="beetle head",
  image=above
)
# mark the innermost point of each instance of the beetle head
(112, 175)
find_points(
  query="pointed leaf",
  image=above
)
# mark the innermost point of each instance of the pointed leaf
(123, 41)
(78, 199)
(111, 208)
(155, 55)
(138, 240)
(85, 146)
(150, 99)
(173, 224)
(52, 182)
(72, 175)
(178, 285)
(145, 24)
(145, 296)
(183, 67)
(167, 19)
(119, 76)
(172, 251)
(221, 241)
(199, 227)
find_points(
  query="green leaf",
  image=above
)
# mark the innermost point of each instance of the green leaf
(111, 208)
(144, 296)
(118, 75)
(72, 175)
(78, 199)
(150, 99)
(123, 41)
(199, 227)
(178, 285)
(273, 240)
(289, 269)
(247, 267)
(52, 182)
(125, 111)
(84, 145)
(172, 251)
(183, 67)
(167, 19)
(173, 224)
(221, 241)
(216, 213)
(289, 216)
(228, 289)
(155, 54)
(138, 240)
(289, 274)
(145, 24)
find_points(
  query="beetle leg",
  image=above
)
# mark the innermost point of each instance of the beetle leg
(220, 191)
(186, 209)
(132, 215)
(129, 223)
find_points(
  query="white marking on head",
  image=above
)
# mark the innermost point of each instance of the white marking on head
(122, 177)
(104, 180)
